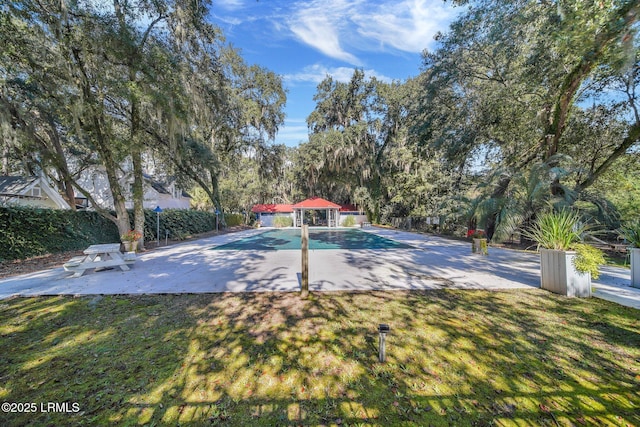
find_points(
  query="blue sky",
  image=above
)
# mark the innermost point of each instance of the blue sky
(305, 40)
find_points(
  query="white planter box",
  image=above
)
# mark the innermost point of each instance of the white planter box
(635, 267)
(558, 274)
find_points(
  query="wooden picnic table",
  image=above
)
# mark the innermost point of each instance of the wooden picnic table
(100, 256)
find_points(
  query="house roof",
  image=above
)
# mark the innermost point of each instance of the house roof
(160, 187)
(272, 208)
(316, 203)
(15, 185)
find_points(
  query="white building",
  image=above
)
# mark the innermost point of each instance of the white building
(167, 195)
(31, 191)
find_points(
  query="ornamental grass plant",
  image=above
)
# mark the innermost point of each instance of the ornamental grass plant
(631, 232)
(563, 231)
(557, 230)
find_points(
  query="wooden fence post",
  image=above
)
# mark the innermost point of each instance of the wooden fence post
(305, 261)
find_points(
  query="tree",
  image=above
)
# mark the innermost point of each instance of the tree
(508, 79)
(353, 129)
(229, 110)
(154, 79)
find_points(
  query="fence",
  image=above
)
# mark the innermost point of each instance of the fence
(429, 223)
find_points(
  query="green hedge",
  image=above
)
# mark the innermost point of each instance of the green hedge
(180, 223)
(233, 220)
(26, 232)
(282, 221)
(349, 221)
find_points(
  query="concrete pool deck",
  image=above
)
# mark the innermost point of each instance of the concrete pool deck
(192, 267)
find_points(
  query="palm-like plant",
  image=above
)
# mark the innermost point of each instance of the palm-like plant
(631, 233)
(526, 194)
(557, 230)
(562, 231)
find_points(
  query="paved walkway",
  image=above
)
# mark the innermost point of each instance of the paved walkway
(192, 267)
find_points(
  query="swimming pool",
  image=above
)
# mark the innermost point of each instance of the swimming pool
(318, 239)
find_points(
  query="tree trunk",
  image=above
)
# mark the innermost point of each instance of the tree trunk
(62, 166)
(122, 216)
(500, 191)
(216, 197)
(138, 193)
(96, 116)
(138, 177)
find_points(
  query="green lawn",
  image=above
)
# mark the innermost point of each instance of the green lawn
(454, 358)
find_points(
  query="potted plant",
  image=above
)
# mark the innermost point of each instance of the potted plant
(479, 243)
(130, 240)
(631, 233)
(566, 264)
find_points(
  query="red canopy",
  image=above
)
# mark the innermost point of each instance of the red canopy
(272, 209)
(316, 203)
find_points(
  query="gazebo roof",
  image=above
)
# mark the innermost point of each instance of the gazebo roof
(316, 203)
(272, 208)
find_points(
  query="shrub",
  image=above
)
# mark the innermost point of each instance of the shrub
(557, 230)
(349, 221)
(28, 232)
(131, 236)
(180, 223)
(478, 234)
(631, 232)
(563, 231)
(282, 221)
(588, 259)
(233, 220)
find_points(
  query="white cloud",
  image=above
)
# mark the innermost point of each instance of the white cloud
(293, 132)
(316, 73)
(408, 25)
(320, 24)
(338, 27)
(231, 20)
(230, 12)
(228, 4)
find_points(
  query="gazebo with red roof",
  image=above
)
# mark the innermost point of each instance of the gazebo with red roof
(316, 204)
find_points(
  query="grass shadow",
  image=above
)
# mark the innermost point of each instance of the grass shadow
(453, 358)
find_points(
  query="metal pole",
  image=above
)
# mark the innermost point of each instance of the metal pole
(382, 345)
(158, 227)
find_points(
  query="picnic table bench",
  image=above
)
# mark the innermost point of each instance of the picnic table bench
(365, 224)
(98, 257)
